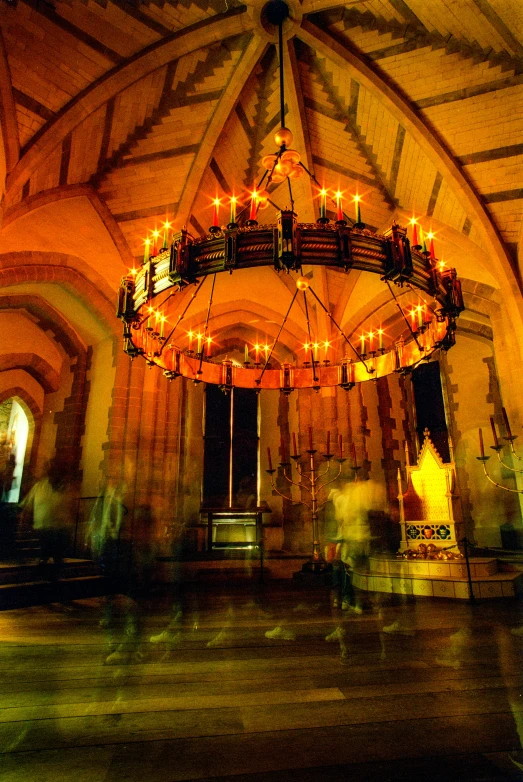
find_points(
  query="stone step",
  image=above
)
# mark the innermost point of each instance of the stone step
(32, 593)
(497, 585)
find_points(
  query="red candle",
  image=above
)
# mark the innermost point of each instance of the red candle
(431, 248)
(216, 214)
(341, 447)
(310, 439)
(254, 206)
(269, 458)
(507, 425)
(481, 448)
(494, 434)
(328, 442)
(339, 207)
(415, 242)
(294, 444)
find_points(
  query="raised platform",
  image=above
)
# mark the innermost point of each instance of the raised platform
(436, 578)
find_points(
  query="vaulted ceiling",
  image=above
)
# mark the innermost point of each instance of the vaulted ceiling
(148, 109)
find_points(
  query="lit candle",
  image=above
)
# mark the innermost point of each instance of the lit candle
(339, 207)
(233, 209)
(380, 339)
(371, 341)
(146, 250)
(328, 442)
(505, 419)
(358, 210)
(257, 353)
(422, 239)
(362, 338)
(209, 343)
(199, 337)
(481, 448)
(323, 203)
(306, 349)
(431, 246)
(494, 433)
(266, 351)
(190, 335)
(341, 446)
(419, 311)
(216, 213)
(310, 439)
(254, 205)
(295, 449)
(269, 458)
(246, 354)
(156, 234)
(166, 226)
(415, 242)
(315, 351)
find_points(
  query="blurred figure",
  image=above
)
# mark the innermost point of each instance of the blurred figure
(50, 506)
(352, 505)
(111, 543)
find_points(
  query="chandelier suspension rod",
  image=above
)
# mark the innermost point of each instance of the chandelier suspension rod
(181, 317)
(398, 305)
(199, 372)
(345, 337)
(290, 193)
(423, 299)
(282, 93)
(315, 379)
(258, 381)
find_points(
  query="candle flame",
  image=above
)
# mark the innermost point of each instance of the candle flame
(357, 198)
(413, 221)
(338, 194)
(156, 233)
(217, 201)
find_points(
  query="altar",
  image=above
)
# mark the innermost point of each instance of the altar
(431, 558)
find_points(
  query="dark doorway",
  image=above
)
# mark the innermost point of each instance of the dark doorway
(430, 407)
(230, 464)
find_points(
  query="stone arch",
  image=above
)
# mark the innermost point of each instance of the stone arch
(34, 417)
(68, 271)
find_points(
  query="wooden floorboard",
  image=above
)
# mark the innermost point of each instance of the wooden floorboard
(443, 701)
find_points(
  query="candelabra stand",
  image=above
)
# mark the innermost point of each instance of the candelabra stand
(309, 482)
(498, 449)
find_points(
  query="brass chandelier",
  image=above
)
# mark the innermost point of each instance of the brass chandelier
(153, 305)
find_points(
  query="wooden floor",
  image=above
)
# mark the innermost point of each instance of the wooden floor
(443, 701)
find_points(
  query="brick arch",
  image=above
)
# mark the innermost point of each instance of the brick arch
(65, 270)
(34, 417)
(48, 318)
(45, 197)
(8, 122)
(34, 365)
(325, 46)
(172, 47)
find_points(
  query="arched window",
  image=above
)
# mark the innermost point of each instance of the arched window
(14, 431)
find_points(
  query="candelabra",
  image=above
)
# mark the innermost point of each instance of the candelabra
(498, 448)
(309, 482)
